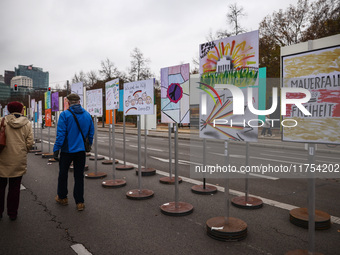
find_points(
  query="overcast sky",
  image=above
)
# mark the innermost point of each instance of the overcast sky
(67, 36)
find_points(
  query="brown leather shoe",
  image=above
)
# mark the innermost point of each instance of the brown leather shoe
(80, 206)
(60, 201)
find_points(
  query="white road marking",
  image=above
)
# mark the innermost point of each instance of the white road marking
(282, 156)
(151, 149)
(231, 155)
(275, 160)
(80, 249)
(181, 162)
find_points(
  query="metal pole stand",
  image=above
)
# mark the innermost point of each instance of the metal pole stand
(176, 208)
(309, 218)
(302, 216)
(114, 183)
(55, 127)
(169, 179)
(139, 194)
(119, 166)
(111, 140)
(146, 171)
(109, 162)
(204, 189)
(39, 153)
(34, 147)
(49, 154)
(226, 228)
(247, 202)
(95, 174)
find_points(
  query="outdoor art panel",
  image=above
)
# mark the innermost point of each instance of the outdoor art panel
(319, 72)
(55, 101)
(47, 97)
(233, 61)
(175, 103)
(139, 97)
(78, 88)
(112, 94)
(95, 102)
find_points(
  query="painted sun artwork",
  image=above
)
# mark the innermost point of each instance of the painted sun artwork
(233, 61)
(175, 105)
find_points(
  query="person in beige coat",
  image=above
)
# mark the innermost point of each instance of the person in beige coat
(13, 158)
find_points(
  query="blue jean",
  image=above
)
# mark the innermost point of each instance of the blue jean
(78, 159)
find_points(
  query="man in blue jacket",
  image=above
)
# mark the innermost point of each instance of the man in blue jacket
(71, 143)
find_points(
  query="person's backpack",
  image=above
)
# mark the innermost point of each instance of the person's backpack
(2, 135)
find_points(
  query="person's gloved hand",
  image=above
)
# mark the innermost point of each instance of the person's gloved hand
(56, 155)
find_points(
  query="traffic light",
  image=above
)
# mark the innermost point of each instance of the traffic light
(49, 89)
(16, 87)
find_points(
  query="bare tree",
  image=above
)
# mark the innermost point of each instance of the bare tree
(139, 69)
(324, 19)
(210, 36)
(233, 16)
(109, 70)
(286, 27)
(81, 77)
(92, 77)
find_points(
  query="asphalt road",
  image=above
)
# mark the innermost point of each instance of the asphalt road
(113, 224)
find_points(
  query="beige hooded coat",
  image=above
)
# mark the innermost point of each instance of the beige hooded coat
(19, 139)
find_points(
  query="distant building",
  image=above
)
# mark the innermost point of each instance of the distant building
(5, 92)
(8, 77)
(2, 79)
(22, 81)
(39, 77)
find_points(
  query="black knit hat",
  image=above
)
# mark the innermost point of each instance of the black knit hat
(15, 107)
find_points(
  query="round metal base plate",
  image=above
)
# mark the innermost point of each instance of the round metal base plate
(98, 158)
(117, 183)
(168, 180)
(299, 217)
(208, 190)
(97, 175)
(47, 155)
(124, 167)
(86, 168)
(147, 172)
(142, 194)
(301, 252)
(250, 203)
(235, 230)
(182, 209)
(109, 162)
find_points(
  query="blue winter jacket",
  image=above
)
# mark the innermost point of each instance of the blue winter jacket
(69, 138)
